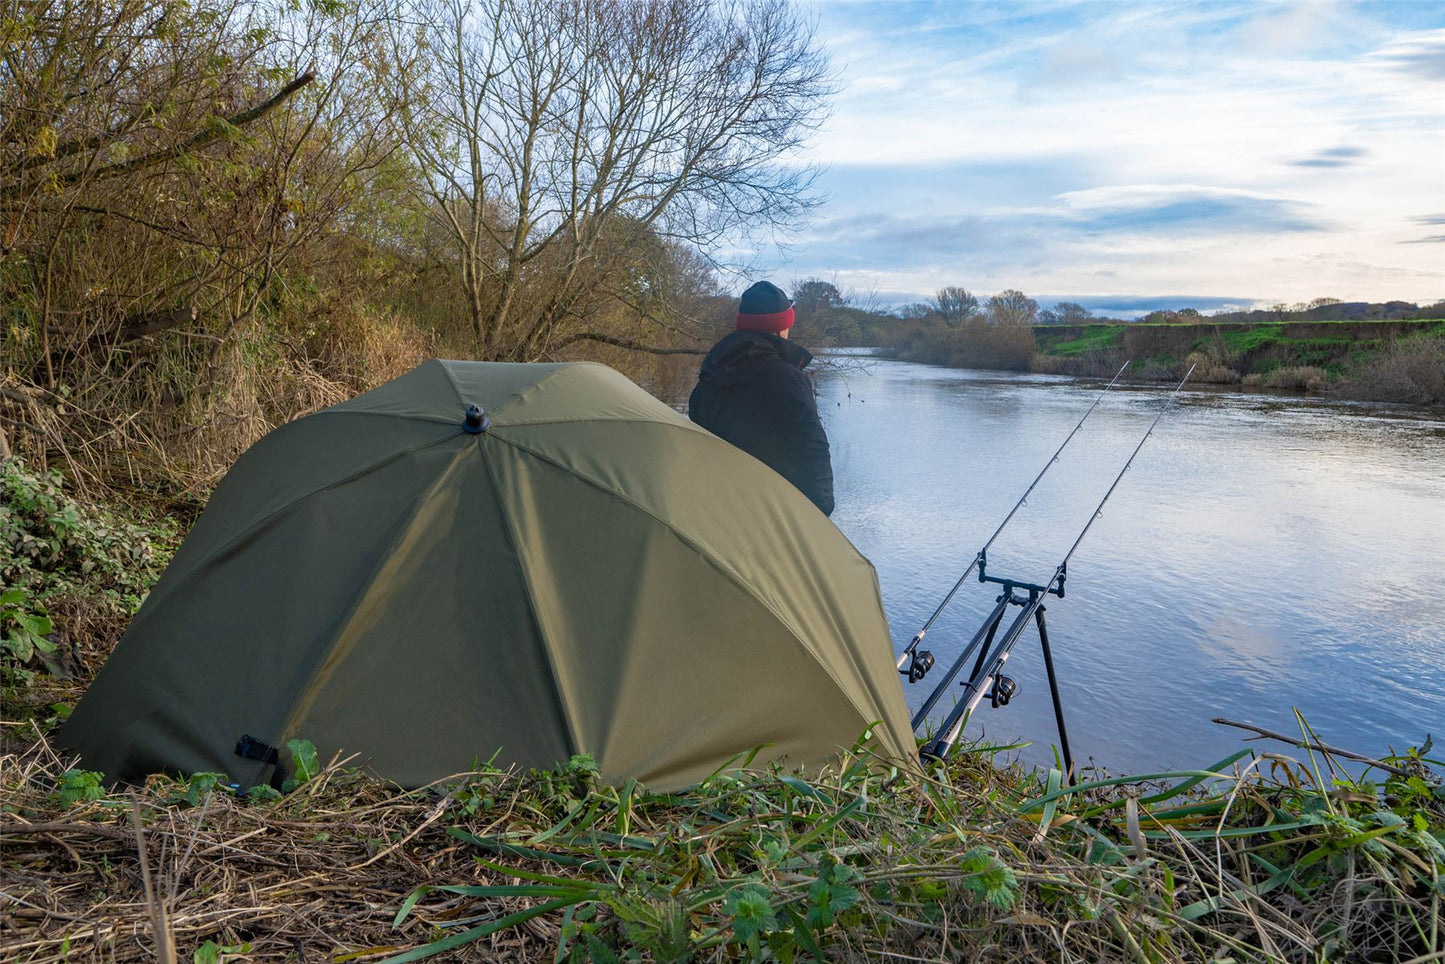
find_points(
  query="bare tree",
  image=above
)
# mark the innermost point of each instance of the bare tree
(1065, 313)
(957, 305)
(552, 135)
(1011, 307)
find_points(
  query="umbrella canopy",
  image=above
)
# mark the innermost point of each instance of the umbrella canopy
(581, 570)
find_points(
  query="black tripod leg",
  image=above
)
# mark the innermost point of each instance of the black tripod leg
(1054, 692)
(983, 654)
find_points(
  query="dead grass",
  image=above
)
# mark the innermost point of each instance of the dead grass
(1410, 370)
(317, 876)
(187, 410)
(858, 863)
(1210, 370)
(1303, 378)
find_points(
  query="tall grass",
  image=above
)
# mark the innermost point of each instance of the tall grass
(1304, 378)
(1407, 370)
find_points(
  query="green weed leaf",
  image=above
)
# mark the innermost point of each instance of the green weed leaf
(77, 786)
(751, 912)
(990, 878)
(832, 893)
(303, 757)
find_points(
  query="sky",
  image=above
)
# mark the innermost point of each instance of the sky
(1131, 156)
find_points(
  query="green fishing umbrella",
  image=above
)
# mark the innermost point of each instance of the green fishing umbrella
(506, 563)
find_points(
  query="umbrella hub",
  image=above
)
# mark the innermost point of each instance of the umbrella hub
(477, 420)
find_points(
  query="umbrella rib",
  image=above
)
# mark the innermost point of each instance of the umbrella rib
(532, 607)
(282, 509)
(310, 689)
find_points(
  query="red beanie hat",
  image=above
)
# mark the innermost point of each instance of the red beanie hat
(764, 307)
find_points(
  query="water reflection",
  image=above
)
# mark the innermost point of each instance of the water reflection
(1263, 553)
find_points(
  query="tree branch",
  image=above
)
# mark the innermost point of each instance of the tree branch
(199, 139)
(624, 343)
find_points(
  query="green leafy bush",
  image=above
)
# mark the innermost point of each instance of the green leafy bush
(60, 556)
(23, 626)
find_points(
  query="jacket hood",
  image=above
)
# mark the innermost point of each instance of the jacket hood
(733, 360)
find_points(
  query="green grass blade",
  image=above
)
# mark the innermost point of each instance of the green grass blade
(454, 941)
(826, 824)
(496, 845)
(1046, 819)
(1199, 908)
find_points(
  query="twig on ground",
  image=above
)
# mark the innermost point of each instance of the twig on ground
(1319, 747)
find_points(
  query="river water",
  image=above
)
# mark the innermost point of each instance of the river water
(1264, 553)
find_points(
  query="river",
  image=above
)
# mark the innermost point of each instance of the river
(1264, 553)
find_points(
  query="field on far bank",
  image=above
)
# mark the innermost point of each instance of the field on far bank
(1397, 361)
(1387, 361)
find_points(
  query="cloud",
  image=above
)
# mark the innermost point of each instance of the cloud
(1187, 209)
(989, 239)
(1061, 234)
(892, 241)
(1430, 221)
(1072, 63)
(1421, 55)
(1332, 157)
(1281, 149)
(1293, 28)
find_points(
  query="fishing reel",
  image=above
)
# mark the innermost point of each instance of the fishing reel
(920, 661)
(1004, 689)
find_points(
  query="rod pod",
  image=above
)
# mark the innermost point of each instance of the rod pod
(990, 665)
(920, 662)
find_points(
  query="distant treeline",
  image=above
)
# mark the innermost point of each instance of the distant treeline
(840, 318)
(1391, 351)
(1320, 309)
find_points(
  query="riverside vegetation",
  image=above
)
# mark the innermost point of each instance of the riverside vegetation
(1271, 854)
(218, 215)
(1391, 352)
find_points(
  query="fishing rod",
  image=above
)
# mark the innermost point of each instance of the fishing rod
(921, 661)
(991, 657)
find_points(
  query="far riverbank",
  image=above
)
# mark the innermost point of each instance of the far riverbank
(1386, 361)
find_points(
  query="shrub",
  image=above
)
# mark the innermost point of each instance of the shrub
(975, 344)
(1157, 370)
(1407, 370)
(61, 560)
(1208, 369)
(1304, 378)
(1093, 364)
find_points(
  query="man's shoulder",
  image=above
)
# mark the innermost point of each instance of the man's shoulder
(746, 355)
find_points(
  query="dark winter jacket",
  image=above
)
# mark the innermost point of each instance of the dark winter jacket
(752, 392)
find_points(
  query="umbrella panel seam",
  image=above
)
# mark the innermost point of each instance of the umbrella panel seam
(702, 551)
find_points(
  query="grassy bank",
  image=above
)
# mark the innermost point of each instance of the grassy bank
(1397, 361)
(1258, 857)
(1270, 854)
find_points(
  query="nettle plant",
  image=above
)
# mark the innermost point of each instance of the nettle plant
(55, 549)
(24, 626)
